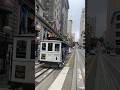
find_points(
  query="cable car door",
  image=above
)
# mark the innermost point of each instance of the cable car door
(23, 61)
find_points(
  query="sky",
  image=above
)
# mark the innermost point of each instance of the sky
(75, 10)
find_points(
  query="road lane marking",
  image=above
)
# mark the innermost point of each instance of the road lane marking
(59, 81)
(69, 61)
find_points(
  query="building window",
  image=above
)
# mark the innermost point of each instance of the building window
(27, 18)
(21, 49)
(118, 25)
(118, 17)
(23, 19)
(30, 24)
(20, 72)
(50, 46)
(117, 34)
(117, 42)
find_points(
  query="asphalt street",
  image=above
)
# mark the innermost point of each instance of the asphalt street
(71, 77)
(102, 72)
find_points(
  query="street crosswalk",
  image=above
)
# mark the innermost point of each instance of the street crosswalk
(59, 81)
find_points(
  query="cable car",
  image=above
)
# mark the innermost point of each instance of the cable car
(53, 52)
(22, 72)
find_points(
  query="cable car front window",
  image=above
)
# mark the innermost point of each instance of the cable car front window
(21, 49)
(50, 46)
(57, 47)
(44, 46)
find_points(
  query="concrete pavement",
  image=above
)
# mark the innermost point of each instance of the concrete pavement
(103, 72)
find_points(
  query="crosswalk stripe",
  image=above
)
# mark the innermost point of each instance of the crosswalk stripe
(59, 81)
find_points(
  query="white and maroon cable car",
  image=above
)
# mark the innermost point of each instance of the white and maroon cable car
(22, 72)
(53, 52)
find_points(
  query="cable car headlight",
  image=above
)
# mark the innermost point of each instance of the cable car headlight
(43, 56)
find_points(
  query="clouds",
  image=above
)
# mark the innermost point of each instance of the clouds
(75, 13)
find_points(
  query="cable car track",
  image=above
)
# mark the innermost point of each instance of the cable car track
(43, 76)
(40, 72)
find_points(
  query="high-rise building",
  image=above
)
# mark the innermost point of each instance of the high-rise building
(73, 37)
(53, 12)
(69, 31)
(64, 16)
(69, 28)
(112, 35)
(82, 29)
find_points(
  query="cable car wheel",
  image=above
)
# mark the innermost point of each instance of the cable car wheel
(60, 65)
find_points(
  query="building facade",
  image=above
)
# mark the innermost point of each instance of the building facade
(56, 14)
(8, 28)
(90, 24)
(39, 11)
(64, 16)
(52, 13)
(17, 17)
(112, 36)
